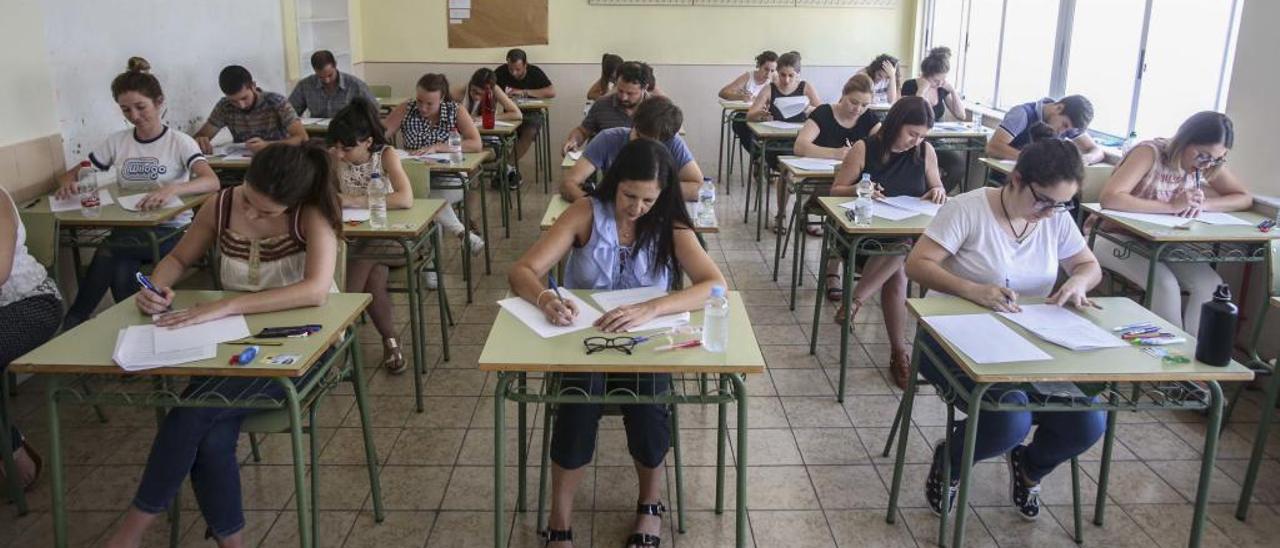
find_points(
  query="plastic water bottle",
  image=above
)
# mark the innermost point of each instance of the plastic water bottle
(376, 193)
(715, 321)
(1217, 328)
(1128, 143)
(977, 119)
(862, 206)
(455, 147)
(706, 203)
(87, 185)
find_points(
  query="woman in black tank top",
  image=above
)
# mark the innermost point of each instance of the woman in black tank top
(901, 163)
(765, 108)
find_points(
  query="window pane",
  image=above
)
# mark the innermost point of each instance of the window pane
(1184, 60)
(1104, 70)
(980, 60)
(1030, 28)
(948, 20)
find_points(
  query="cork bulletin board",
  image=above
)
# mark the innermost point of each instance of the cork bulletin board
(496, 23)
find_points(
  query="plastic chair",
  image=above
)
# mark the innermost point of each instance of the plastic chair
(380, 91)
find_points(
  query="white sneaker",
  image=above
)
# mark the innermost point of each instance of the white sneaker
(432, 281)
(477, 243)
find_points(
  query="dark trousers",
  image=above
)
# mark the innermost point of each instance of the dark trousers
(573, 437)
(25, 325)
(114, 269)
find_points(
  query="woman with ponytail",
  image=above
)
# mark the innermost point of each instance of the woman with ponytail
(150, 158)
(359, 147)
(287, 218)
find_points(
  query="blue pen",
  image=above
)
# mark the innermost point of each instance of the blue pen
(146, 282)
(245, 357)
(551, 282)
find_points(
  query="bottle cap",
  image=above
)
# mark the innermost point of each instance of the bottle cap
(1223, 293)
(717, 291)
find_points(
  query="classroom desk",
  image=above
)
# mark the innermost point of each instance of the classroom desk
(515, 353)
(769, 139)
(730, 112)
(77, 231)
(389, 103)
(1148, 384)
(469, 171)
(80, 370)
(839, 235)
(418, 237)
(960, 137)
(542, 142)
(316, 127)
(503, 135)
(1264, 430)
(557, 205)
(802, 183)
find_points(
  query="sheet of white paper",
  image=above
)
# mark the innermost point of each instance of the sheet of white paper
(609, 300)
(912, 203)
(1063, 327)
(131, 202)
(791, 106)
(985, 339)
(886, 212)
(73, 203)
(781, 125)
(315, 122)
(574, 155)
(217, 331)
(233, 151)
(1222, 219)
(135, 350)
(355, 215)
(502, 123)
(459, 15)
(532, 317)
(952, 126)
(812, 164)
(459, 4)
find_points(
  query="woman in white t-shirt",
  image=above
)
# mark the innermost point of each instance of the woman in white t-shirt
(991, 246)
(152, 158)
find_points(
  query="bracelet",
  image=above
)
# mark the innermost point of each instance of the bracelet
(538, 301)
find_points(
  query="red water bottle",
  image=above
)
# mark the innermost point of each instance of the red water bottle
(486, 109)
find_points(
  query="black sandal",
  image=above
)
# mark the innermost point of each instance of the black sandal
(553, 535)
(645, 540)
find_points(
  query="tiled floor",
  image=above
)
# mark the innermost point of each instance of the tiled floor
(816, 478)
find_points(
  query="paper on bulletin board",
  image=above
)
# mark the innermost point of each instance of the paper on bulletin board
(497, 23)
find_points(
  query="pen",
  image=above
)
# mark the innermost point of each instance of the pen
(1139, 325)
(259, 343)
(1007, 299)
(551, 282)
(687, 344)
(146, 282)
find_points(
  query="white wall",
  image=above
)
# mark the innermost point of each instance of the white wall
(187, 43)
(26, 90)
(1251, 100)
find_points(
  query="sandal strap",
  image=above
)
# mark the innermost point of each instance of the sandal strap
(644, 540)
(655, 509)
(556, 535)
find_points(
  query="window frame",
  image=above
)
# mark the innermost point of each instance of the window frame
(1062, 53)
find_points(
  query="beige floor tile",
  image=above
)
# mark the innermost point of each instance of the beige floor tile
(1184, 476)
(1134, 482)
(877, 411)
(814, 412)
(788, 357)
(849, 487)
(334, 526)
(768, 447)
(384, 412)
(444, 412)
(780, 488)
(919, 445)
(1170, 525)
(412, 487)
(398, 529)
(342, 487)
(1267, 487)
(705, 529)
(346, 446)
(801, 382)
(462, 530)
(1010, 529)
(790, 528)
(108, 488)
(1261, 529)
(924, 527)
(819, 446)
(1155, 442)
(256, 525)
(858, 528)
(426, 446)
(1119, 530)
(700, 487)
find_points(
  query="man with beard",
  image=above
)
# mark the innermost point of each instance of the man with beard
(615, 109)
(256, 118)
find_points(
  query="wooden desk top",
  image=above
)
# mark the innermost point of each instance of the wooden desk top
(471, 162)
(557, 205)
(88, 347)
(391, 102)
(401, 223)
(997, 165)
(316, 126)
(1127, 364)
(219, 161)
(501, 128)
(768, 133)
(1197, 233)
(957, 130)
(911, 226)
(879, 107)
(512, 346)
(798, 173)
(735, 106)
(115, 216)
(533, 104)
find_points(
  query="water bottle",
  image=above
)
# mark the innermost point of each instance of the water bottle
(376, 193)
(862, 206)
(977, 120)
(707, 203)
(87, 185)
(1217, 328)
(487, 120)
(455, 147)
(715, 321)
(1128, 143)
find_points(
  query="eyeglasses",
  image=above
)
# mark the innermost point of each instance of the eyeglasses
(1044, 202)
(1205, 160)
(622, 344)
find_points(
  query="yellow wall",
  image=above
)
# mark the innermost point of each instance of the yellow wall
(26, 90)
(414, 31)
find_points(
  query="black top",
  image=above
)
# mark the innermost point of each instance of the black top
(534, 78)
(833, 135)
(775, 93)
(901, 175)
(911, 88)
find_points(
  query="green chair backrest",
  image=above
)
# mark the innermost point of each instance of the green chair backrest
(419, 177)
(1095, 178)
(42, 238)
(1273, 259)
(381, 91)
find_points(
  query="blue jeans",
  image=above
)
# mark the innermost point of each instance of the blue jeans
(114, 268)
(1060, 436)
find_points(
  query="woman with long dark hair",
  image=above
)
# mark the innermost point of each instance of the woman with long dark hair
(633, 231)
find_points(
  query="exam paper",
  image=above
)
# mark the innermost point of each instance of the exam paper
(1174, 221)
(533, 317)
(1063, 327)
(912, 203)
(233, 151)
(131, 202)
(135, 350)
(791, 106)
(609, 300)
(355, 215)
(812, 164)
(985, 339)
(781, 125)
(230, 328)
(502, 123)
(888, 213)
(72, 203)
(574, 155)
(315, 122)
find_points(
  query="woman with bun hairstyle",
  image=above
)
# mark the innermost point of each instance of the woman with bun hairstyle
(932, 84)
(151, 157)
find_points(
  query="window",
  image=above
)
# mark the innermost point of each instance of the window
(1145, 64)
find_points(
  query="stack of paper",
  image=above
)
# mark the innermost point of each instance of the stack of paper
(502, 123)
(324, 122)
(574, 155)
(533, 317)
(230, 328)
(1174, 221)
(135, 350)
(609, 300)
(886, 213)
(781, 125)
(1063, 328)
(355, 214)
(72, 203)
(233, 151)
(812, 164)
(912, 204)
(131, 202)
(984, 339)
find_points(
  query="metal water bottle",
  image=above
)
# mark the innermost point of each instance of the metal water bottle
(1217, 333)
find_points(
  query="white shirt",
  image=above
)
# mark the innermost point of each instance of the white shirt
(145, 165)
(983, 252)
